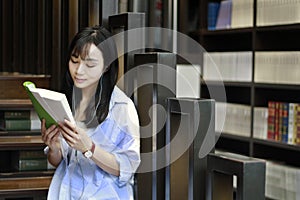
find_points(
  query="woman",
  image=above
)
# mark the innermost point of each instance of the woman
(96, 157)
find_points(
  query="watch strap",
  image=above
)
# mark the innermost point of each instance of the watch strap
(93, 147)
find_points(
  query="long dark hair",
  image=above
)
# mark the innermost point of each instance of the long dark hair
(80, 45)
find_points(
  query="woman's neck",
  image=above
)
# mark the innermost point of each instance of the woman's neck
(88, 92)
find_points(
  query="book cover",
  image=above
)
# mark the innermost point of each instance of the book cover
(50, 105)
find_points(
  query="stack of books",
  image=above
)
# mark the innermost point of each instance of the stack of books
(227, 66)
(19, 120)
(277, 12)
(277, 67)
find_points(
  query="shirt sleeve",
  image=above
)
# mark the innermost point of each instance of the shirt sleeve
(127, 152)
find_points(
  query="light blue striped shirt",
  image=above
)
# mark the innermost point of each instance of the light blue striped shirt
(78, 177)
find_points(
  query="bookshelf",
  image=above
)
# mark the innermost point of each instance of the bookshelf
(281, 37)
(24, 171)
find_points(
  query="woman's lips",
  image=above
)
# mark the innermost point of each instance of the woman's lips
(79, 80)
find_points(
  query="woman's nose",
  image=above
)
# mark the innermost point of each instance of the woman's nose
(80, 68)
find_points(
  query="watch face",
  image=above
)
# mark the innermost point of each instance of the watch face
(88, 154)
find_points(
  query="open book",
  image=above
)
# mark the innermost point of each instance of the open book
(49, 105)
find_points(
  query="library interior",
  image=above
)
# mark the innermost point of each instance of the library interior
(214, 82)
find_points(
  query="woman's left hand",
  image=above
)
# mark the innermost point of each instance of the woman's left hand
(76, 137)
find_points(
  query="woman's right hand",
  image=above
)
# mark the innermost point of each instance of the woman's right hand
(50, 136)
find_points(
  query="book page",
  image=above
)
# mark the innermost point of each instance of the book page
(54, 103)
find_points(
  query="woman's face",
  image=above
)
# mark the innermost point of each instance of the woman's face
(87, 71)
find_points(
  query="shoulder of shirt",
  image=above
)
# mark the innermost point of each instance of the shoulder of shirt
(118, 96)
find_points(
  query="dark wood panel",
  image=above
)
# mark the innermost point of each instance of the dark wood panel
(30, 33)
(11, 85)
(7, 40)
(83, 13)
(1, 33)
(17, 35)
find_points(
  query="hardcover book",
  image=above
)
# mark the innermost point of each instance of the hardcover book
(49, 105)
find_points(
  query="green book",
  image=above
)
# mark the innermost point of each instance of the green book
(31, 164)
(24, 114)
(49, 105)
(17, 124)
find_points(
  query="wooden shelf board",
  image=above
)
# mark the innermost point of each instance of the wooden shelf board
(20, 133)
(15, 103)
(26, 183)
(21, 142)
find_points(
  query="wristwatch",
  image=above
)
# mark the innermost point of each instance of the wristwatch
(89, 153)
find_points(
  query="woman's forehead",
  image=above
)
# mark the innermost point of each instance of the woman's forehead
(87, 50)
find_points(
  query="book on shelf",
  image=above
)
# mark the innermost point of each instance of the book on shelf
(277, 12)
(224, 15)
(242, 13)
(279, 67)
(212, 14)
(49, 105)
(29, 160)
(19, 120)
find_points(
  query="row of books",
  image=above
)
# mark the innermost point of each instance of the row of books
(282, 182)
(279, 122)
(284, 122)
(237, 119)
(230, 14)
(19, 120)
(239, 13)
(277, 12)
(277, 67)
(227, 66)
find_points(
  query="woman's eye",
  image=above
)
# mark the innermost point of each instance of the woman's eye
(90, 65)
(74, 61)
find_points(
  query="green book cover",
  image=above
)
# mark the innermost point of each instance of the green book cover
(49, 105)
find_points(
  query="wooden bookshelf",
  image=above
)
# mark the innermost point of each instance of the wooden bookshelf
(18, 182)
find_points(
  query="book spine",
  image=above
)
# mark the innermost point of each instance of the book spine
(276, 124)
(213, 9)
(297, 125)
(21, 155)
(17, 114)
(32, 164)
(285, 122)
(271, 120)
(291, 123)
(17, 124)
